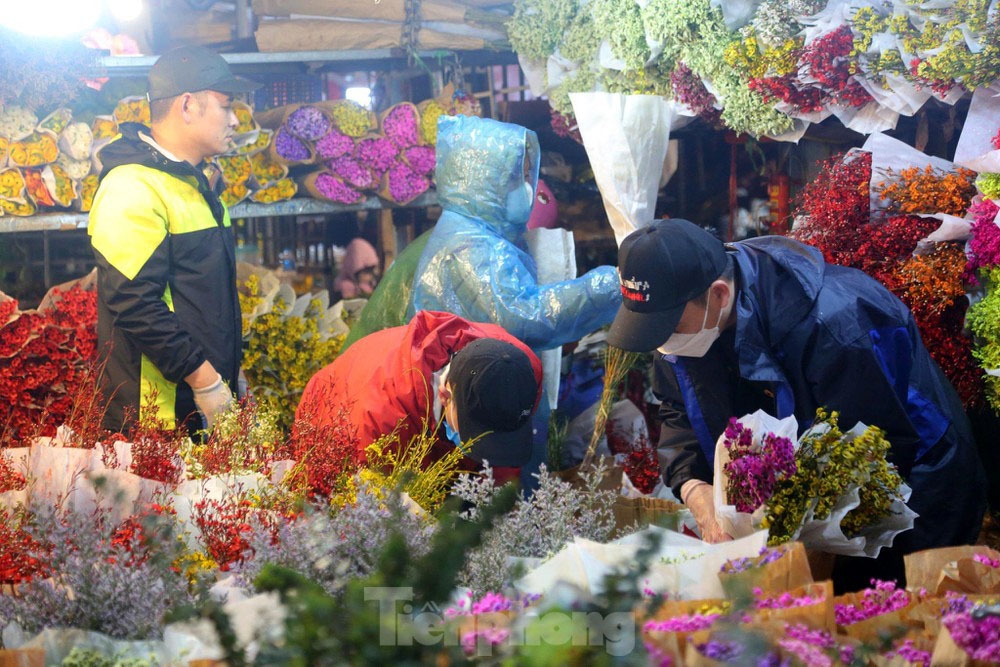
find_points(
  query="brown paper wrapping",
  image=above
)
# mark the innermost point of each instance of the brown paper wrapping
(952, 569)
(383, 10)
(416, 114)
(818, 615)
(947, 652)
(307, 184)
(646, 511)
(789, 572)
(22, 657)
(333, 35)
(675, 644)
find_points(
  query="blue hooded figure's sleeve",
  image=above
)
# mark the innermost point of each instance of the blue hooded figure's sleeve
(475, 264)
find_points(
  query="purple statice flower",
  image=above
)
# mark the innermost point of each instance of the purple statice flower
(956, 603)
(492, 602)
(986, 560)
(402, 125)
(421, 158)
(767, 555)
(334, 144)
(290, 147)
(336, 190)
(353, 172)
(911, 654)
(405, 184)
(722, 651)
(804, 633)
(377, 152)
(682, 623)
(979, 638)
(882, 598)
(308, 123)
(754, 472)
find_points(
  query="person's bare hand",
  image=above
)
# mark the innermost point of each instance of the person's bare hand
(698, 498)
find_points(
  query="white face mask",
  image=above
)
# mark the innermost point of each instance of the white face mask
(696, 344)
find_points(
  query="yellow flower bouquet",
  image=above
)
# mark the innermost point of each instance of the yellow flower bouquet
(36, 149)
(104, 127)
(87, 189)
(56, 121)
(280, 190)
(134, 109)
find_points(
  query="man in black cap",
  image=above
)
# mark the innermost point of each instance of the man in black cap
(767, 324)
(472, 382)
(169, 322)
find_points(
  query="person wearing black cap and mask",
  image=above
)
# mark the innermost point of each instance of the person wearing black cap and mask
(767, 324)
(169, 323)
(474, 383)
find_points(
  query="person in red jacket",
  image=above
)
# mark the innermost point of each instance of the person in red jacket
(472, 382)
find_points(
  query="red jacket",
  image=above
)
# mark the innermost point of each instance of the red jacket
(386, 377)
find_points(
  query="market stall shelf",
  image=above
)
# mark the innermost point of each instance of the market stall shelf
(292, 207)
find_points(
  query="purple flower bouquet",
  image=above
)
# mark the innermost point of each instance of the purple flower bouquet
(326, 185)
(353, 172)
(308, 123)
(334, 144)
(378, 152)
(287, 148)
(402, 185)
(421, 159)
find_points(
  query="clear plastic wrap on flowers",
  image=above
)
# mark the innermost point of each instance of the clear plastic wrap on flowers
(86, 190)
(16, 122)
(626, 137)
(76, 141)
(56, 121)
(978, 148)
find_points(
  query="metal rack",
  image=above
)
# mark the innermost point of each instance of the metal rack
(50, 222)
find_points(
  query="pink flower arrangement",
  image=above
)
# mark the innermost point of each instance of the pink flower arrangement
(882, 598)
(336, 190)
(352, 172)
(683, 623)
(402, 125)
(984, 246)
(377, 152)
(786, 600)
(334, 144)
(755, 470)
(420, 158)
(986, 560)
(405, 185)
(491, 637)
(911, 654)
(996, 141)
(979, 638)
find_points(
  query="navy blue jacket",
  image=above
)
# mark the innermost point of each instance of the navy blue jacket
(810, 334)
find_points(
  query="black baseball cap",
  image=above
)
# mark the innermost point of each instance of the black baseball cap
(189, 69)
(494, 388)
(662, 267)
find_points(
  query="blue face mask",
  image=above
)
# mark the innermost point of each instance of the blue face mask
(519, 203)
(451, 434)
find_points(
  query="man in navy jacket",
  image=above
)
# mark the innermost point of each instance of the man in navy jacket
(767, 324)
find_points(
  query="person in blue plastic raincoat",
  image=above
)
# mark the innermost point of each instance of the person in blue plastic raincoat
(476, 264)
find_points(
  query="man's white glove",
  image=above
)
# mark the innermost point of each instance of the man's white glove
(213, 400)
(697, 495)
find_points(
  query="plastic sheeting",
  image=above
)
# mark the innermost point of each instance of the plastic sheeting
(476, 263)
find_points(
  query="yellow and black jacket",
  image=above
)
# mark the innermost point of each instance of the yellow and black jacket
(166, 272)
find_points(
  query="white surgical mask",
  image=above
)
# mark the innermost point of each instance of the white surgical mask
(696, 344)
(519, 203)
